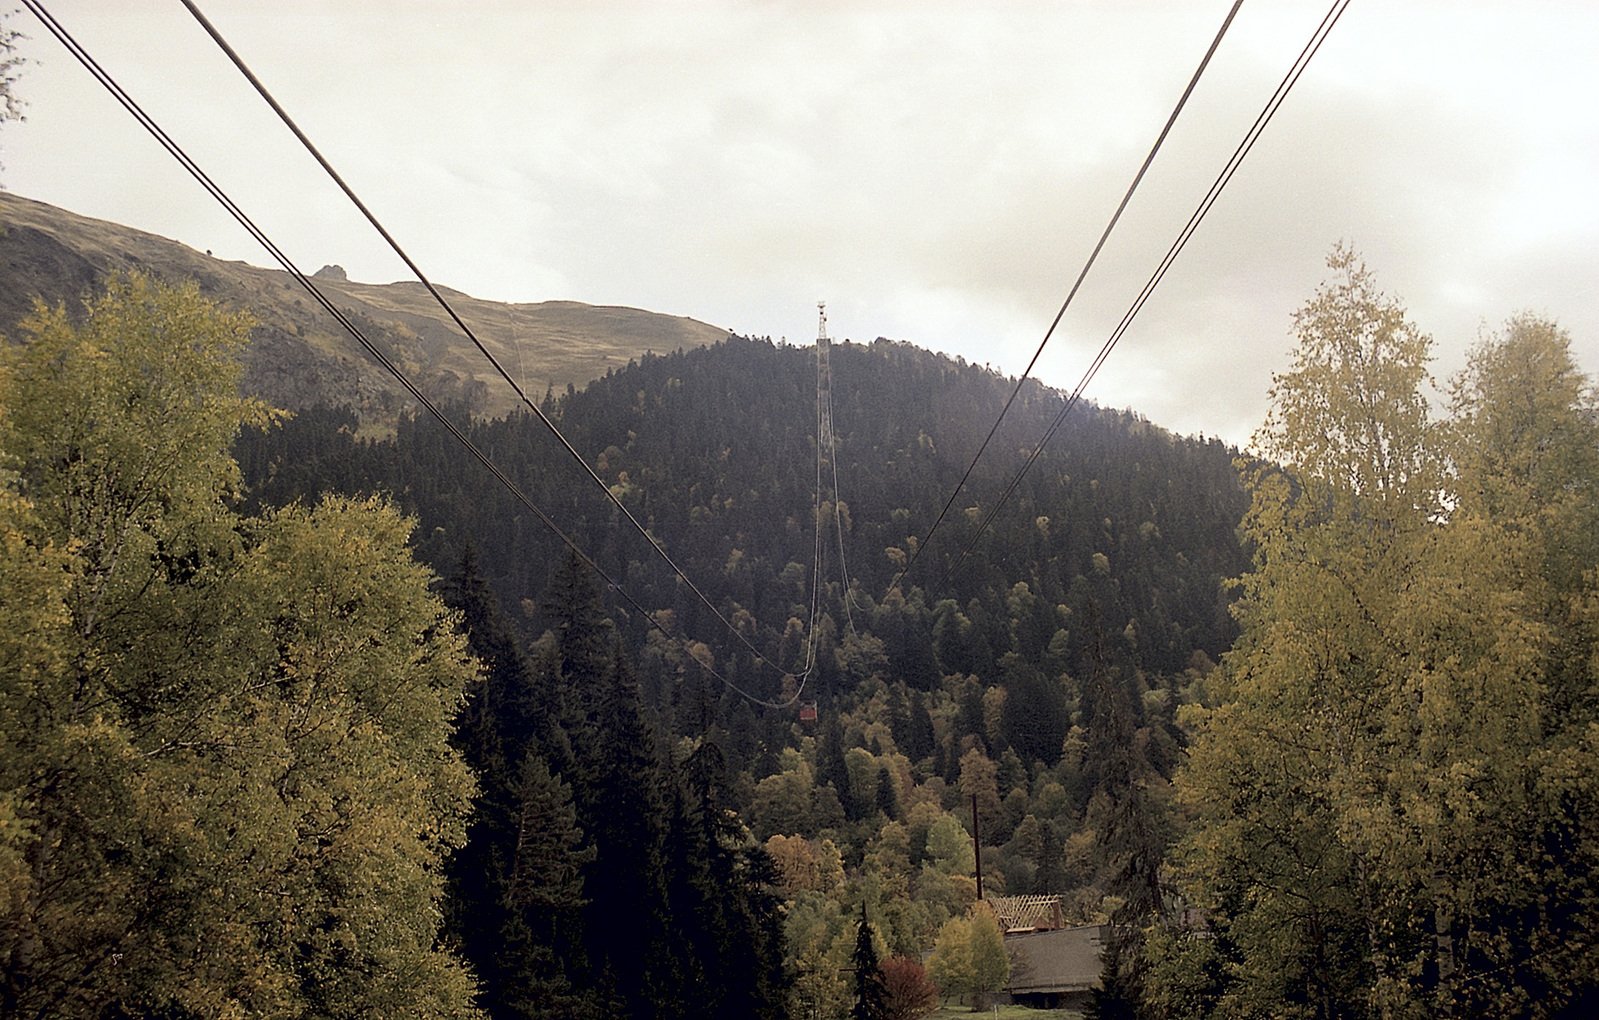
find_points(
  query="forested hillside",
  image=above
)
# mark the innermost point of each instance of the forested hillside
(1380, 803)
(1040, 677)
(1312, 734)
(714, 452)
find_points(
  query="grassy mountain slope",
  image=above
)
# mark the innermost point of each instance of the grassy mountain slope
(299, 357)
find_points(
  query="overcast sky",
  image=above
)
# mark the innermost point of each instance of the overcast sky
(937, 172)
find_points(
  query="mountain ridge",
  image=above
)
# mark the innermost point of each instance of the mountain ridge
(300, 358)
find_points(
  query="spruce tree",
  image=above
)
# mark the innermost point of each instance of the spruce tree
(540, 964)
(830, 767)
(621, 807)
(515, 903)
(871, 995)
(1116, 997)
(920, 736)
(727, 917)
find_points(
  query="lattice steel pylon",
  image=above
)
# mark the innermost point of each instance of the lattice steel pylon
(824, 385)
(826, 452)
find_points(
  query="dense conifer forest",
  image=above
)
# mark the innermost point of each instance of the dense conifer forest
(714, 452)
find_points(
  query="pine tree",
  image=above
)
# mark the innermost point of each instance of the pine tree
(871, 995)
(724, 911)
(540, 963)
(619, 797)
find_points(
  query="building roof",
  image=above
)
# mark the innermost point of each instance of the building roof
(1055, 961)
(1026, 913)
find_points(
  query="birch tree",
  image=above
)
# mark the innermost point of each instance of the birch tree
(1388, 819)
(225, 785)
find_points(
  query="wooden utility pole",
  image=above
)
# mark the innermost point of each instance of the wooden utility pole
(977, 846)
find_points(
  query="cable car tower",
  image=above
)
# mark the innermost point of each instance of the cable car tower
(827, 449)
(824, 390)
(824, 460)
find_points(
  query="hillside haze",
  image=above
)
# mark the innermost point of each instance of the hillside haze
(299, 357)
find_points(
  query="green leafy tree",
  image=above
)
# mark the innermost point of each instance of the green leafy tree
(950, 963)
(227, 785)
(1335, 533)
(949, 846)
(1517, 724)
(819, 945)
(969, 957)
(783, 803)
(1364, 795)
(979, 785)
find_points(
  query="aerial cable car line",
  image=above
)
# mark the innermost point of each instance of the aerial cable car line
(824, 449)
(838, 520)
(470, 335)
(1290, 79)
(816, 572)
(827, 440)
(177, 152)
(1082, 275)
(816, 550)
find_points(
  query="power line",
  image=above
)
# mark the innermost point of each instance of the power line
(816, 553)
(1082, 275)
(1290, 79)
(838, 517)
(178, 153)
(816, 546)
(416, 270)
(810, 655)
